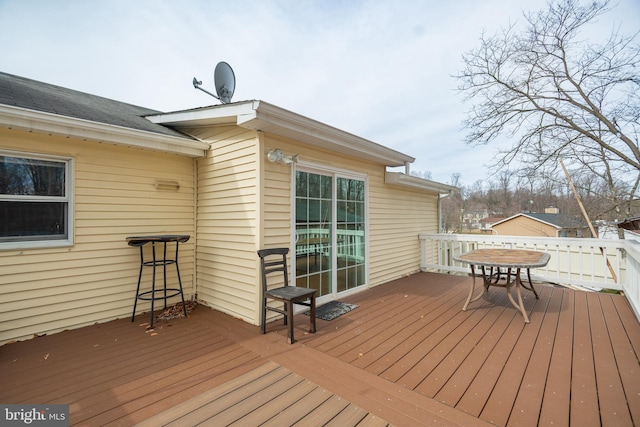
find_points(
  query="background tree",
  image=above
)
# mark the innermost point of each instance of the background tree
(451, 208)
(559, 95)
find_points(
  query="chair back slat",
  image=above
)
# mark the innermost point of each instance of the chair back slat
(275, 265)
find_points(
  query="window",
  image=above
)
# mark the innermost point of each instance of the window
(35, 200)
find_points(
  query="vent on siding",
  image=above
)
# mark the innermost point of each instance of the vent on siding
(162, 184)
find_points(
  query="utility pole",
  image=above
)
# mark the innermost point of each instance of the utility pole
(584, 212)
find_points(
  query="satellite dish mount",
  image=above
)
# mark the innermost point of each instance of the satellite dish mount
(225, 82)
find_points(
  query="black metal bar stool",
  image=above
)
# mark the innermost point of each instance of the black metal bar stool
(289, 295)
(165, 293)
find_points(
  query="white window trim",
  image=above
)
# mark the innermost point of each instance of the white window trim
(69, 191)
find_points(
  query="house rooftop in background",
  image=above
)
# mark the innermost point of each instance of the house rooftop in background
(548, 224)
(486, 223)
(631, 224)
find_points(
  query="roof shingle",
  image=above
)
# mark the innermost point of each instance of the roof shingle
(34, 95)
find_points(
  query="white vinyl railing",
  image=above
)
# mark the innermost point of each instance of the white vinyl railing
(317, 240)
(631, 287)
(588, 263)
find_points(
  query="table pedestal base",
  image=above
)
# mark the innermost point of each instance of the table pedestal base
(496, 279)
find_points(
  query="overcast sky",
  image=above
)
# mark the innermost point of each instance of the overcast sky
(379, 69)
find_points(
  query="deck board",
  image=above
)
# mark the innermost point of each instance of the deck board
(400, 344)
(528, 402)
(483, 382)
(453, 351)
(625, 358)
(407, 355)
(614, 410)
(461, 380)
(267, 395)
(186, 408)
(503, 396)
(584, 400)
(556, 400)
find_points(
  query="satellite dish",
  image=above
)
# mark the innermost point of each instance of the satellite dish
(224, 80)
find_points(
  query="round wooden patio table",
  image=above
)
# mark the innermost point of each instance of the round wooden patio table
(509, 259)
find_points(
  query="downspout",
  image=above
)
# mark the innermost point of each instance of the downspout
(407, 168)
(440, 197)
(194, 279)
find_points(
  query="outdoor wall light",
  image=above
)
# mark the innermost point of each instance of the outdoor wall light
(277, 156)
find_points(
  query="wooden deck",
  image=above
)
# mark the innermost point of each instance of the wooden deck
(406, 356)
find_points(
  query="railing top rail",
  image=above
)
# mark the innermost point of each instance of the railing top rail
(498, 239)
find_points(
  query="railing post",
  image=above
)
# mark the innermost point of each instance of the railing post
(631, 286)
(423, 251)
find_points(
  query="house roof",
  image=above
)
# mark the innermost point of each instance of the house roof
(34, 95)
(264, 117)
(491, 220)
(559, 221)
(631, 224)
(41, 107)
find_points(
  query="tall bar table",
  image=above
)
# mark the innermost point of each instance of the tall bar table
(164, 293)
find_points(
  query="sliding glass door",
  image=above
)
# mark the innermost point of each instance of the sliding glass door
(330, 226)
(350, 233)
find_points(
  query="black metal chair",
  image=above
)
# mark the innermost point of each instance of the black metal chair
(289, 295)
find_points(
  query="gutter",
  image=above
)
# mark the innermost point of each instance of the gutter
(53, 124)
(399, 178)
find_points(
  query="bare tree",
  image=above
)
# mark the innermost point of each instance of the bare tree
(559, 95)
(422, 174)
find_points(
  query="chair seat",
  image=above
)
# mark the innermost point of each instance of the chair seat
(291, 293)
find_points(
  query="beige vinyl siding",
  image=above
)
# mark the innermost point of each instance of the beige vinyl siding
(276, 219)
(396, 214)
(227, 221)
(276, 231)
(47, 290)
(523, 226)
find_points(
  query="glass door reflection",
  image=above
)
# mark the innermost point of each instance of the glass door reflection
(314, 225)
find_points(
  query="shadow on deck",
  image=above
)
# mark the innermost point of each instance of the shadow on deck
(407, 356)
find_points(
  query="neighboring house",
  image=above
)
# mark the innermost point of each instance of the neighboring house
(79, 173)
(631, 224)
(486, 223)
(548, 224)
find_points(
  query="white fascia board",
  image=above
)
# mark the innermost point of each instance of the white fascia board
(264, 117)
(53, 124)
(321, 135)
(399, 178)
(212, 115)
